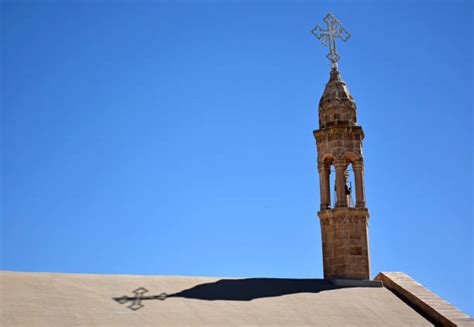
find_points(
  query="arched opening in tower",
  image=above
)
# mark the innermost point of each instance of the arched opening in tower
(350, 186)
(332, 185)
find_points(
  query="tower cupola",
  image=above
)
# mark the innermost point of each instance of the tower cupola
(336, 106)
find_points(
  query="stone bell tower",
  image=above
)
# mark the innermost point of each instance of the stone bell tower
(344, 224)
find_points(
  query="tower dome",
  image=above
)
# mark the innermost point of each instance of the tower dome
(336, 106)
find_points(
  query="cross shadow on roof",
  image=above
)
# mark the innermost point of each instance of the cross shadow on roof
(234, 290)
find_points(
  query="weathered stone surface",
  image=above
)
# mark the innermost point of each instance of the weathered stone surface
(339, 144)
(345, 243)
(46, 299)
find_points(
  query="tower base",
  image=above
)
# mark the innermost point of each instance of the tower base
(345, 239)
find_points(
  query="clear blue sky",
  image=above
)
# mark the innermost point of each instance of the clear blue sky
(176, 137)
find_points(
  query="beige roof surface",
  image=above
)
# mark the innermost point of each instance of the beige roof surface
(50, 299)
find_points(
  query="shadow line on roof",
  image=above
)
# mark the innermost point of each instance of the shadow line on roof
(235, 290)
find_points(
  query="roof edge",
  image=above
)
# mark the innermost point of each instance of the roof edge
(424, 301)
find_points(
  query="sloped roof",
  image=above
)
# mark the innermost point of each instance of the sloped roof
(423, 300)
(50, 299)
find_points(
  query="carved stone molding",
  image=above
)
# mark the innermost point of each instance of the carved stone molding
(358, 164)
(323, 166)
(353, 133)
(350, 219)
(339, 156)
(344, 215)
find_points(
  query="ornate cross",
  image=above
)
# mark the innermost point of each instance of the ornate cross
(334, 29)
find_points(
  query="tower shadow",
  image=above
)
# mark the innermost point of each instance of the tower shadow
(252, 288)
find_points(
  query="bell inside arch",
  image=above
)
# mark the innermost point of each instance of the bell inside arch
(349, 191)
(349, 181)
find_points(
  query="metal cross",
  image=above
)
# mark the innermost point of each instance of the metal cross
(334, 29)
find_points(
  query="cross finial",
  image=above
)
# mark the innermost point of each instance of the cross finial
(328, 36)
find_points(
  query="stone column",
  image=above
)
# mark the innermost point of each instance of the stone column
(340, 183)
(359, 181)
(324, 171)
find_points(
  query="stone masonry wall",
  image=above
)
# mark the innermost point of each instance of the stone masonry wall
(345, 243)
